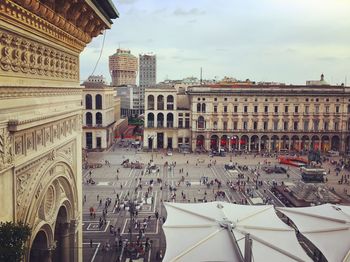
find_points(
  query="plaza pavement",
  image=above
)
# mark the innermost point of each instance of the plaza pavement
(108, 185)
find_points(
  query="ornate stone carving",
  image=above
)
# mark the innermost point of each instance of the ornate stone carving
(52, 155)
(19, 55)
(6, 153)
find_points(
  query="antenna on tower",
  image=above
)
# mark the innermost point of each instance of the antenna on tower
(201, 77)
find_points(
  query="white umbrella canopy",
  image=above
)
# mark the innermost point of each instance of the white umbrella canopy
(202, 232)
(326, 226)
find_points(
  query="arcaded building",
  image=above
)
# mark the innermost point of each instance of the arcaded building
(254, 117)
(40, 119)
(99, 120)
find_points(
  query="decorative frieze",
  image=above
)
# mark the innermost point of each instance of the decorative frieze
(25, 57)
(6, 151)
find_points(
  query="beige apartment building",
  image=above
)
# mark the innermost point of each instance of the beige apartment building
(40, 119)
(254, 117)
(123, 68)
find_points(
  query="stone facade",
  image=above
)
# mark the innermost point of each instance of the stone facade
(256, 118)
(98, 116)
(40, 119)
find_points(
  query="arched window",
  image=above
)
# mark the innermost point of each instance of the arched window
(160, 102)
(203, 107)
(198, 107)
(160, 120)
(88, 119)
(150, 120)
(201, 122)
(98, 118)
(170, 102)
(170, 120)
(98, 102)
(88, 101)
(150, 102)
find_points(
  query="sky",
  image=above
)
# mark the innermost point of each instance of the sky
(288, 41)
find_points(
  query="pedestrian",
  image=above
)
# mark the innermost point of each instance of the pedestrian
(91, 243)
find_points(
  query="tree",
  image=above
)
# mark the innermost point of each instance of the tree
(12, 239)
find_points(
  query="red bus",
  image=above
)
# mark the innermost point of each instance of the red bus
(292, 161)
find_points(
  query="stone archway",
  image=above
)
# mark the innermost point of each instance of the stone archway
(325, 144)
(224, 143)
(305, 143)
(61, 236)
(274, 143)
(335, 143)
(347, 145)
(53, 191)
(295, 144)
(285, 142)
(254, 143)
(264, 141)
(200, 140)
(40, 250)
(214, 142)
(315, 143)
(244, 142)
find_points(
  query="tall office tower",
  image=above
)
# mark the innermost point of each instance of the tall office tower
(148, 70)
(123, 68)
(147, 74)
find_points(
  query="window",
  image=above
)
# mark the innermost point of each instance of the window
(285, 109)
(98, 118)
(201, 122)
(266, 125)
(88, 119)
(235, 109)
(203, 107)
(181, 114)
(325, 126)
(187, 114)
(88, 101)
(296, 109)
(316, 122)
(181, 122)
(276, 109)
(225, 99)
(225, 125)
(348, 108)
(187, 140)
(179, 140)
(306, 109)
(187, 123)
(215, 99)
(245, 125)
(337, 109)
(336, 126)
(215, 109)
(235, 125)
(317, 109)
(306, 125)
(285, 125)
(199, 99)
(245, 109)
(225, 109)
(295, 125)
(255, 109)
(198, 107)
(266, 109)
(275, 125)
(255, 125)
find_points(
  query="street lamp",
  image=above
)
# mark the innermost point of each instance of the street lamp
(151, 137)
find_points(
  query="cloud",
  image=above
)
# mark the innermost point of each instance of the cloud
(193, 11)
(192, 21)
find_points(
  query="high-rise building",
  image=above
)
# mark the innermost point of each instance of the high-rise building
(147, 75)
(123, 68)
(40, 120)
(148, 70)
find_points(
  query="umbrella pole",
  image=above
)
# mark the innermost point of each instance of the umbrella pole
(248, 248)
